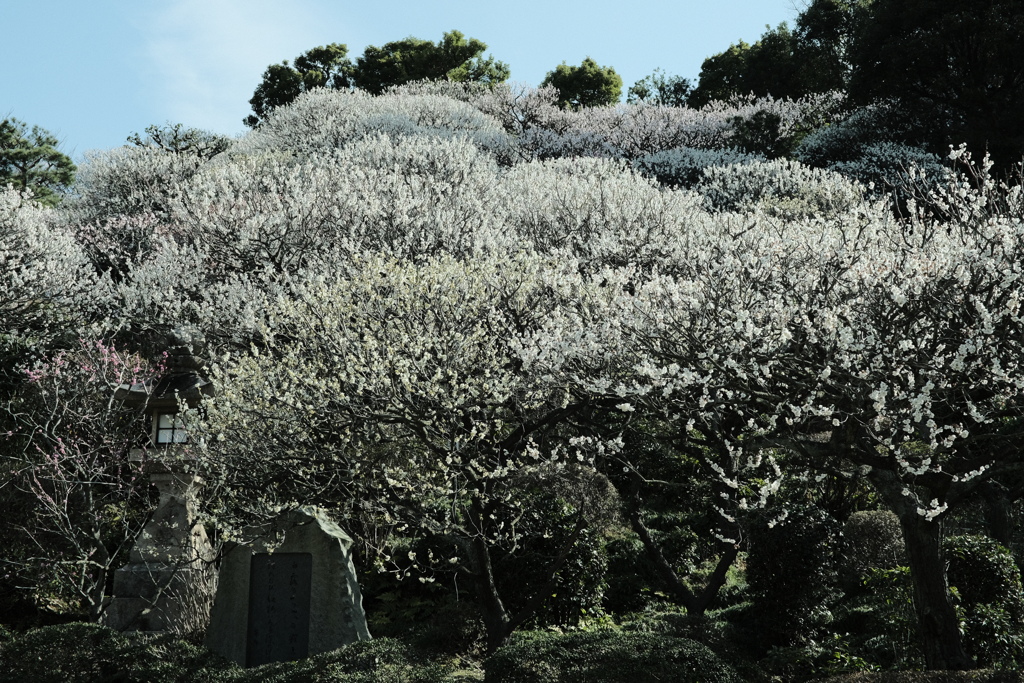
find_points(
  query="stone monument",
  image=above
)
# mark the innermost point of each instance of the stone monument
(282, 602)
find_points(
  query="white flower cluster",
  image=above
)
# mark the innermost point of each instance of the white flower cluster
(684, 166)
(423, 295)
(47, 284)
(782, 187)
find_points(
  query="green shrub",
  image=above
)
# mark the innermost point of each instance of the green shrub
(396, 607)
(456, 628)
(679, 625)
(632, 580)
(887, 167)
(977, 676)
(884, 621)
(381, 660)
(791, 574)
(579, 585)
(991, 599)
(984, 572)
(826, 656)
(430, 598)
(871, 540)
(725, 632)
(846, 139)
(762, 134)
(606, 656)
(425, 607)
(88, 653)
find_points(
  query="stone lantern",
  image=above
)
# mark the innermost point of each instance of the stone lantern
(169, 581)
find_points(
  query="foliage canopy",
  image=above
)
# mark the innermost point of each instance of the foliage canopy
(454, 58)
(465, 319)
(956, 65)
(586, 85)
(327, 66)
(31, 162)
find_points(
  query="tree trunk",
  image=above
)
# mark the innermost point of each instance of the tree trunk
(940, 627)
(936, 616)
(492, 609)
(695, 604)
(498, 623)
(96, 586)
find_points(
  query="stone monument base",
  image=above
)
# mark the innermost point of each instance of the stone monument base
(153, 596)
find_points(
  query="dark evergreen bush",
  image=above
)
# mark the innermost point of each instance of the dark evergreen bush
(991, 599)
(977, 676)
(726, 632)
(88, 653)
(791, 574)
(984, 572)
(430, 600)
(456, 628)
(606, 656)
(882, 620)
(579, 585)
(381, 660)
(845, 140)
(989, 596)
(762, 134)
(396, 607)
(632, 580)
(872, 539)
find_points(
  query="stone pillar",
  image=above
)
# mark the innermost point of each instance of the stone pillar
(169, 581)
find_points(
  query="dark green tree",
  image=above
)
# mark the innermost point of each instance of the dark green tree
(722, 75)
(661, 88)
(586, 85)
(825, 31)
(813, 58)
(325, 66)
(486, 70)
(31, 162)
(455, 58)
(791, 573)
(768, 67)
(178, 139)
(956, 64)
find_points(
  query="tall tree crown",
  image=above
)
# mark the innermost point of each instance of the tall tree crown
(586, 85)
(31, 162)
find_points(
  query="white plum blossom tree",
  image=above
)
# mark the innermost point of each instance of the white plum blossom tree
(426, 309)
(46, 283)
(425, 395)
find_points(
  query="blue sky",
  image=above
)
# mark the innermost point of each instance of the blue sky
(94, 72)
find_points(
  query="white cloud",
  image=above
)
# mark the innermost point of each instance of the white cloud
(207, 56)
